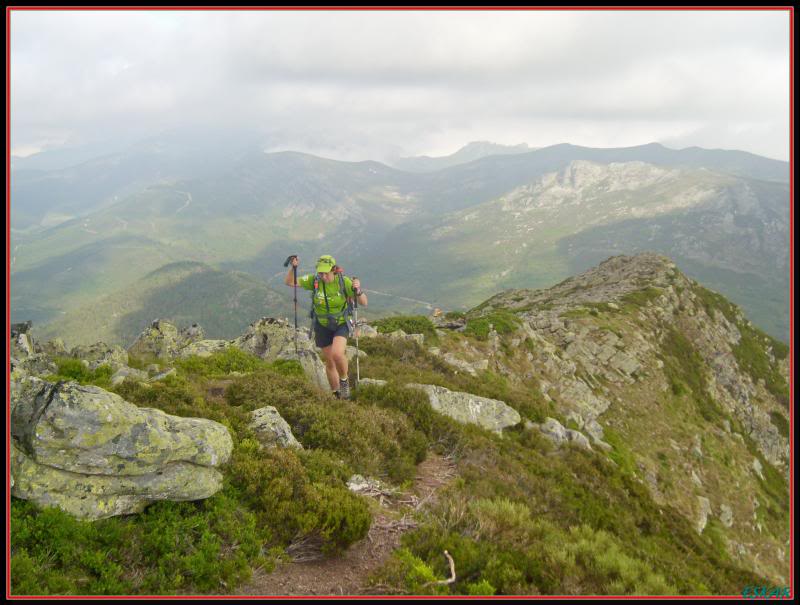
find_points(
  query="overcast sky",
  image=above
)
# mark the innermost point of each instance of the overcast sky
(375, 84)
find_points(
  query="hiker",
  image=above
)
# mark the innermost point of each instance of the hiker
(330, 311)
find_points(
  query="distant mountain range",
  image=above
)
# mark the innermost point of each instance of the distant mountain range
(447, 237)
(470, 152)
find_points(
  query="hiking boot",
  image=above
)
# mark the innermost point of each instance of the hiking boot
(344, 389)
(336, 394)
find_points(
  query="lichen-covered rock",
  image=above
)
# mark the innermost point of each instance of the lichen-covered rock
(203, 348)
(703, 510)
(96, 455)
(53, 348)
(101, 354)
(92, 497)
(491, 414)
(271, 429)
(34, 365)
(125, 372)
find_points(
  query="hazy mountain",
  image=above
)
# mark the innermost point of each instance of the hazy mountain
(470, 152)
(445, 238)
(46, 197)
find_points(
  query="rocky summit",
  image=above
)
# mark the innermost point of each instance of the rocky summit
(671, 379)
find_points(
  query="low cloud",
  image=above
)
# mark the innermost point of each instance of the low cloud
(375, 84)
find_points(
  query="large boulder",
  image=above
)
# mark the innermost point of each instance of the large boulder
(491, 414)
(95, 455)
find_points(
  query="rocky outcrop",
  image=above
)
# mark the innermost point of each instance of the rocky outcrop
(95, 455)
(267, 338)
(664, 375)
(553, 430)
(163, 339)
(272, 339)
(100, 354)
(490, 414)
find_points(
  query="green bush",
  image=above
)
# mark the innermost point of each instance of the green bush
(275, 484)
(504, 322)
(371, 439)
(221, 363)
(172, 546)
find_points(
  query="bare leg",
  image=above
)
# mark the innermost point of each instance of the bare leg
(339, 354)
(330, 368)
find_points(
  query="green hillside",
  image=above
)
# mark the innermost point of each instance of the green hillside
(223, 302)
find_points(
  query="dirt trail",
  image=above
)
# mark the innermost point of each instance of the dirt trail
(347, 573)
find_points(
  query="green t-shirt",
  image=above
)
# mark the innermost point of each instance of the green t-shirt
(337, 300)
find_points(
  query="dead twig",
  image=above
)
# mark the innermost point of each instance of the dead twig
(452, 577)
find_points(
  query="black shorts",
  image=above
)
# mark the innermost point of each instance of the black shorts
(323, 336)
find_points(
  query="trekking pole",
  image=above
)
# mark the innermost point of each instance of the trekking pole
(294, 270)
(358, 369)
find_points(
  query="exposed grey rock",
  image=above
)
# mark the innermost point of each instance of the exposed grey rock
(21, 346)
(726, 515)
(351, 353)
(460, 364)
(53, 348)
(759, 470)
(203, 348)
(271, 429)
(35, 365)
(366, 330)
(554, 431)
(704, 509)
(369, 485)
(400, 335)
(161, 339)
(579, 439)
(125, 372)
(490, 414)
(373, 382)
(163, 375)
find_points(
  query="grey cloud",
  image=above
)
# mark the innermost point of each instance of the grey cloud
(412, 78)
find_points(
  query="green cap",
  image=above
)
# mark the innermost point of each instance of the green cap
(325, 263)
